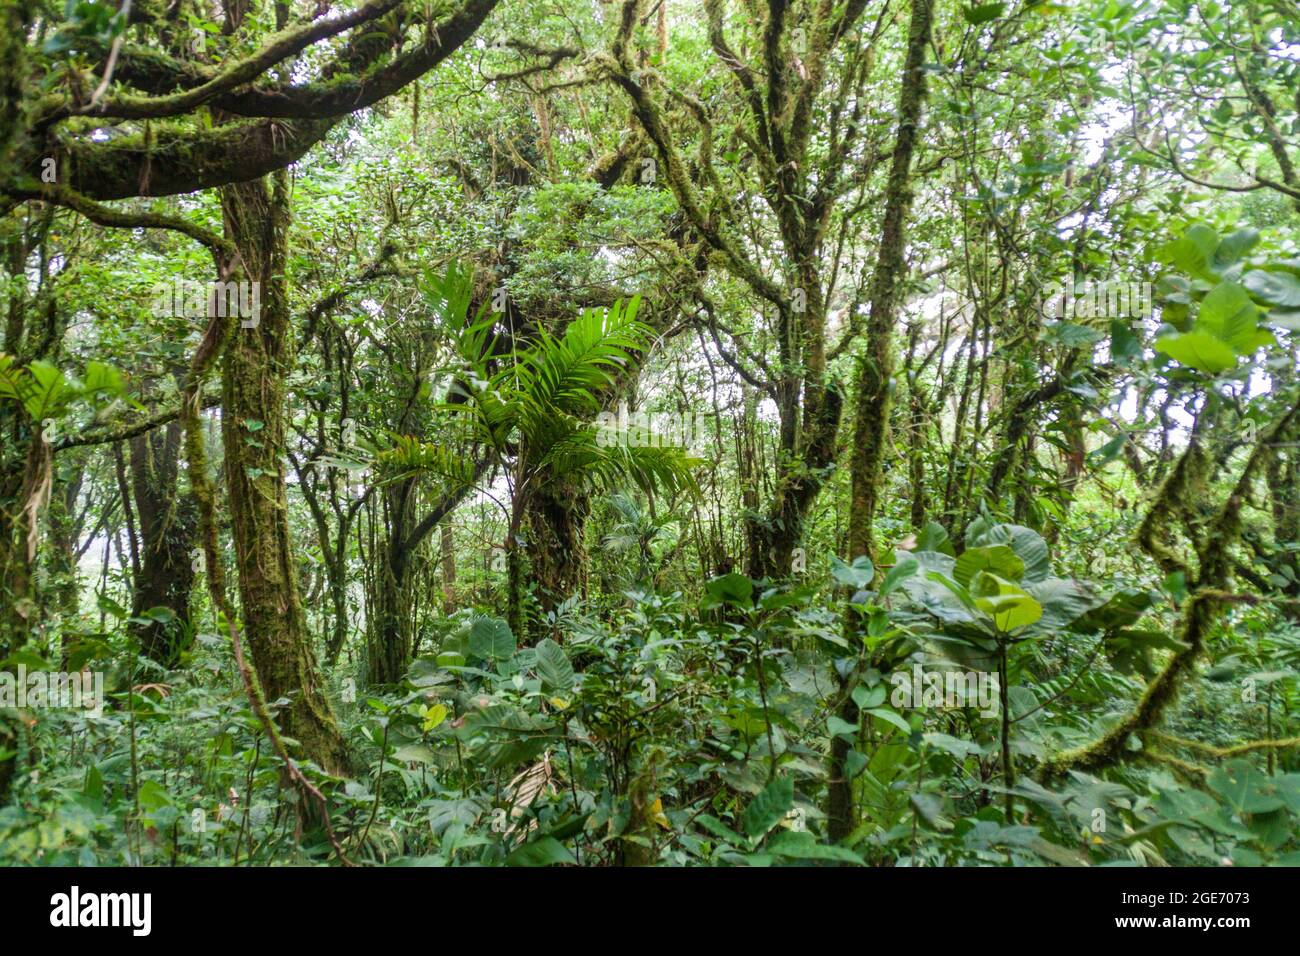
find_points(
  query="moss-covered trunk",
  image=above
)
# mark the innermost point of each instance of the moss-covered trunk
(255, 375)
(168, 521)
(873, 387)
(389, 641)
(557, 516)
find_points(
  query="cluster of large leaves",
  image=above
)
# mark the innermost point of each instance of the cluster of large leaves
(1212, 311)
(1001, 586)
(45, 391)
(1242, 816)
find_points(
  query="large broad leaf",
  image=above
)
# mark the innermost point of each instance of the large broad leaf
(1246, 788)
(932, 586)
(1010, 607)
(553, 666)
(1122, 609)
(547, 851)
(857, 575)
(1198, 350)
(734, 589)
(1027, 544)
(769, 807)
(983, 12)
(934, 537)
(804, 846)
(1193, 252)
(504, 736)
(1228, 314)
(1275, 288)
(961, 749)
(1233, 247)
(1063, 601)
(903, 568)
(997, 559)
(490, 637)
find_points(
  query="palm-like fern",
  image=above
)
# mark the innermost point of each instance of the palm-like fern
(534, 412)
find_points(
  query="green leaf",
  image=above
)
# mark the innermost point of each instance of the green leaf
(959, 748)
(434, 716)
(1275, 288)
(719, 829)
(547, 851)
(904, 567)
(839, 727)
(1246, 788)
(1192, 252)
(152, 796)
(1073, 335)
(1198, 350)
(101, 378)
(1010, 607)
(1027, 544)
(804, 846)
(934, 537)
(1063, 601)
(866, 697)
(490, 637)
(414, 753)
(856, 575)
(999, 559)
(47, 389)
(1235, 244)
(769, 807)
(983, 12)
(1228, 314)
(890, 717)
(734, 589)
(553, 666)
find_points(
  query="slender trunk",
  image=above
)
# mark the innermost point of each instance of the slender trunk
(448, 544)
(389, 649)
(256, 369)
(873, 392)
(168, 522)
(514, 573)
(1008, 765)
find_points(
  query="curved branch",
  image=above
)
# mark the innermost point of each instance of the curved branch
(222, 249)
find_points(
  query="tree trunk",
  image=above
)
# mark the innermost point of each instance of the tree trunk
(873, 393)
(257, 365)
(556, 517)
(448, 544)
(390, 640)
(168, 521)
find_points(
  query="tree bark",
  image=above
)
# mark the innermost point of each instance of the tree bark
(873, 387)
(168, 521)
(255, 372)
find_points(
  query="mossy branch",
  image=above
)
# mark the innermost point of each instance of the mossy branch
(222, 249)
(1200, 612)
(280, 46)
(1224, 753)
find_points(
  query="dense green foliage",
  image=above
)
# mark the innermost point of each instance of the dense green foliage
(686, 432)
